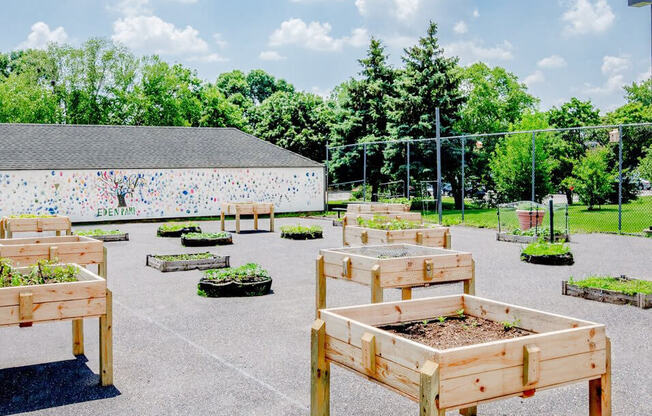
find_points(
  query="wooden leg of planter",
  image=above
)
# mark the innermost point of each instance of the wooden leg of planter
(256, 221)
(77, 337)
(406, 293)
(102, 269)
(58, 233)
(222, 220)
(271, 219)
(376, 289)
(319, 371)
(469, 411)
(429, 390)
(237, 223)
(600, 389)
(106, 342)
(448, 240)
(321, 285)
(469, 285)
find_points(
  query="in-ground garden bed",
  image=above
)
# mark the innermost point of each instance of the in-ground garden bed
(177, 229)
(183, 262)
(551, 254)
(300, 232)
(104, 235)
(618, 290)
(487, 351)
(206, 239)
(247, 280)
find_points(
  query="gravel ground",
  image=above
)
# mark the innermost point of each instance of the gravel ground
(180, 354)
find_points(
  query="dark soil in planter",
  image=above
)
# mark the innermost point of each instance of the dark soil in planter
(214, 289)
(178, 233)
(303, 236)
(454, 332)
(205, 242)
(550, 259)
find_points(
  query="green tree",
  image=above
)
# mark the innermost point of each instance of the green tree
(217, 111)
(430, 80)
(235, 87)
(645, 166)
(640, 92)
(592, 179)
(262, 85)
(24, 100)
(511, 162)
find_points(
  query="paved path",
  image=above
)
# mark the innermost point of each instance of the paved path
(180, 354)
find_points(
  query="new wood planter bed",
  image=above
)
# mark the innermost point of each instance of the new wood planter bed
(247, 208)
(560, 351)
(206, 241)
(354, 235)
(401, 266)
(66, 249)
(377, 208)
(212, 262)
(403, 215)
(86, 298)
(11, 225)
(608, 296)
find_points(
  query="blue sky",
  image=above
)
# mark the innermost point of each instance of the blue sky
(560, 48)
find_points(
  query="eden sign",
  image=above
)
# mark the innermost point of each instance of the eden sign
(116, 212)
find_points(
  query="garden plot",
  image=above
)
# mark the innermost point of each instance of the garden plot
(34, 223)
(393, 231)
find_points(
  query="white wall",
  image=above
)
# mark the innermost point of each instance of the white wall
(96, 195)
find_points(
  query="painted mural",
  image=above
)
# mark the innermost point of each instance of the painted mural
(102, 195)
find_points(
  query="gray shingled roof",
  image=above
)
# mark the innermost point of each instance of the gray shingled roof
(70, 147)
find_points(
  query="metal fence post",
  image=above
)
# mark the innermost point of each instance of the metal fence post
(534, 150)
(326, 181)
(463, 163)
(408, 169)
(364, 172)
(439, 193)
(620, 179)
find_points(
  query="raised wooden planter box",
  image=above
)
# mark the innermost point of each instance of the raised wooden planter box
(607, 296)
(563, 350)
(59, 224)
(353, 235)
(527, 239)
(214, 262)
(66, 249)
(377, 208)
(247, 208)
(401, 266)
(86, 298)
(402, 215)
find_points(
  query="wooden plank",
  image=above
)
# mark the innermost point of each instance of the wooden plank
(368, 342)
(600, 389)
(77, 337)
(55, 311)
(106, 342)
(429, 390)
(320, 286)
(531, 364)
(400, 279)
(473, 359)
(376, 287)
(469, 285)
(388, 373)
(406, 293)
(319, 371)
(54, 292)
(25, 307)
(494, 384)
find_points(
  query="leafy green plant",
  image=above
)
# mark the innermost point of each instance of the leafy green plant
(181, 257)
(546, 249)
(98, 231)
(507, 325)
(441, 319)
(177, 226)
(202, 293)
(626, 286)
(384, 223)
(245, 273)
(311, 230)
(43, 272)
(206, 236)
(592, 180)
(460, 313)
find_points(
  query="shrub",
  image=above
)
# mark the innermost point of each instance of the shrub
(177, 226)
(645, 165)
(357, 193)
(206, 236)
(246, 273)
(591, 178)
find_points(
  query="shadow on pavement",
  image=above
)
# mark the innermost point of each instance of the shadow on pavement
(42, 386)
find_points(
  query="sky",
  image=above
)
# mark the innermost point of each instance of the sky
(560, 48)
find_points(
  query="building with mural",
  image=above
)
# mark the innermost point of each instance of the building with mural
(100, 173)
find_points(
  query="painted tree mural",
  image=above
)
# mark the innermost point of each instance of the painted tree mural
(114, 184)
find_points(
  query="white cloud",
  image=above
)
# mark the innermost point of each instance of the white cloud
(271, 56)
(321, 92)
(132, 7)
(472, 51)
(460, 27)
(400, 41)
(314, 36)
(587, 16)
(614, 64)
(41, 36)
(219, 41)
(211, 57)
(643, 76)
(534, 78)
(402, 9)
(614, 83)
(151, 34)
(476, 13)
(553, 61)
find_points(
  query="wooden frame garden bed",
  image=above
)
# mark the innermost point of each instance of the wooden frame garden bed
(213, 262)
(353, 235)
(86, 298)
(404, 215)
(561, 351)
(67, 249)
(56, 223)
(377, 208)
(607, 296)
(247, 208)
(401, 266)
(109, 238)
